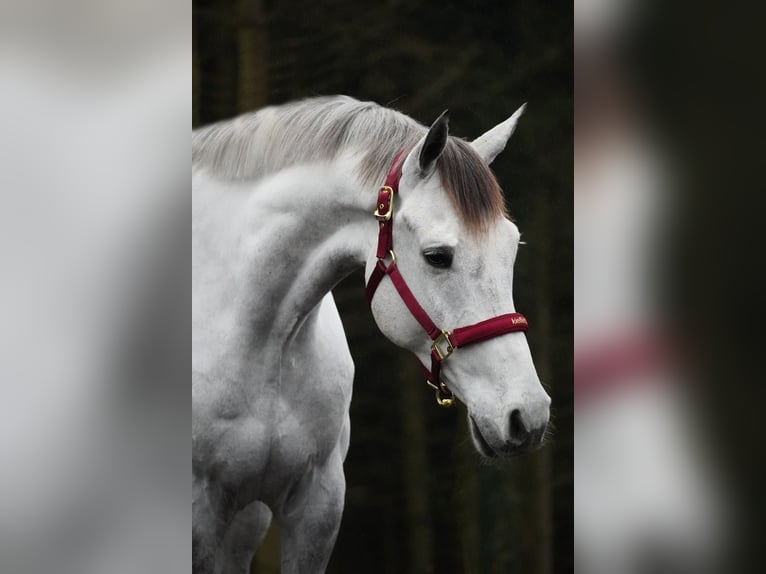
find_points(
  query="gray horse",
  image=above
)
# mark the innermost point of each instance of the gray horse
(282, 211)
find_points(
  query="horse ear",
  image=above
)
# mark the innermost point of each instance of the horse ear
(489, 145)
(421, 159)
(436, 139)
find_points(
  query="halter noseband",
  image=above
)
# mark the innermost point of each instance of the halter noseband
(444, 342)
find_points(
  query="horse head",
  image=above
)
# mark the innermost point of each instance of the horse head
(456, 248)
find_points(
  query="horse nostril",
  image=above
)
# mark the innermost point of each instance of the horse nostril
(519, 431)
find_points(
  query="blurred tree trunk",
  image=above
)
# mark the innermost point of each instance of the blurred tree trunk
(416, 469)
(253, 55)
(218, 96)
(540, 483)
(467, 487)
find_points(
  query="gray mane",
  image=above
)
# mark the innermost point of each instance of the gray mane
(256, 144)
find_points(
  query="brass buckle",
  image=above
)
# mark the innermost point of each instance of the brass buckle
(443, 337)
(387, 215)
(441, 400)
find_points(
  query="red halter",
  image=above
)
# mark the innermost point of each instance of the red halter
(444, 342)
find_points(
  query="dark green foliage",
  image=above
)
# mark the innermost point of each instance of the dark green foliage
(418, 498)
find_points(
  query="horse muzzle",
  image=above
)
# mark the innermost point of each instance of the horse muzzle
(522, 431)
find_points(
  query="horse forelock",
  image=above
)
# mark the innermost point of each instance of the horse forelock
(260, 143)
(470, 185)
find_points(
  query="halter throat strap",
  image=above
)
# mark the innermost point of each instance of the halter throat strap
(444, 342)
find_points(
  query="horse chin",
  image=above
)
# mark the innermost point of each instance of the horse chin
(479, 441)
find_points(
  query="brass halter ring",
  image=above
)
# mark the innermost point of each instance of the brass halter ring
(444, 397)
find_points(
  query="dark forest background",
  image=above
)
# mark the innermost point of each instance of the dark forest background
(419, 500)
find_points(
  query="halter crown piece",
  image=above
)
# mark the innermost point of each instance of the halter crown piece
(444, 342)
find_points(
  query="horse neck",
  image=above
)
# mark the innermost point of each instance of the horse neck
(299, 233)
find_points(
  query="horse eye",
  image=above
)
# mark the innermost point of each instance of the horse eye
(439, 258)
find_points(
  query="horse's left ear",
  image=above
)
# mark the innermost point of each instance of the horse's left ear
(436, 139)
(489, 145)
(430, 147)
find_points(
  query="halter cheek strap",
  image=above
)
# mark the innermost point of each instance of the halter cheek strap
(444, 342)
